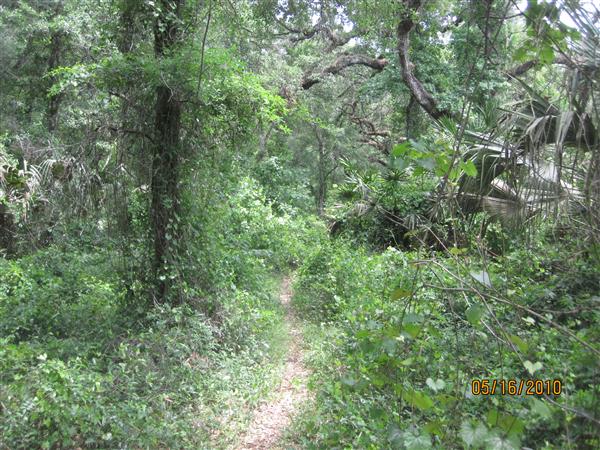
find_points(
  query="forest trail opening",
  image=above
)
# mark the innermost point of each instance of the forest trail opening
(272, 417)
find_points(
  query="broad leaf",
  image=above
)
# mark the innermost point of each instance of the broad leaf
(475, 313)
(520, 343)
(436, 385)
(418, 399)
(502, 443)
(532, 367)
(400, 293)
(473, 433)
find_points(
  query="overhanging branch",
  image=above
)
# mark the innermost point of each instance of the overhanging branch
(342, 62)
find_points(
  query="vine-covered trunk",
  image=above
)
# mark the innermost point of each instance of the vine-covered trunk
(165, 162)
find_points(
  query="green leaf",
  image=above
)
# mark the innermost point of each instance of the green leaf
(378, 380)
(401, 149)
(473, 433)
(546, 55)
(411, 324)
(469, 168)
(540, 408)
(395, 435)
(412, 329)
(412, 318)
(418, 399)
(400, 293)
(399, 163)
(511, 425)
(529, 320)
(436, 385)
(475, 313)
(434, 427)
(427, 163)
(521, 54)
(389, 345)
(420, 442)
(502, 443)
(532, 367)
(520, 343)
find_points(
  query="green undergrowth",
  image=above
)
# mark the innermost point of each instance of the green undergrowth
(396, 338)
(83, 364)
(179, 380)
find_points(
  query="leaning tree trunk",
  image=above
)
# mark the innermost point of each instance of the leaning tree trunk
(417, 90)
(165, 162)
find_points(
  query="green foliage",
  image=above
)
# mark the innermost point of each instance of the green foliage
(418, 292)
(54, 295)
(83, 365)
(327, 278)
(398, 372)
(383, 210)
(546, 34)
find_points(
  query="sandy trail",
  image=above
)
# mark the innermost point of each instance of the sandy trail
(272, 417)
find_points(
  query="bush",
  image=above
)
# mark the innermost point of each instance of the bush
(381, 211)
(56, 295)
(398, 372)
(80, 367)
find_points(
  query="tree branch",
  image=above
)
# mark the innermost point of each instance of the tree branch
(526, 66)
(127, 131)
(424, 98)
(342, 62)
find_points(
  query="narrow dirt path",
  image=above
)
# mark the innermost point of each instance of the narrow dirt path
(272, 417)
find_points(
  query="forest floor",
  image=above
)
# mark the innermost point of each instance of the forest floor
(272, 417)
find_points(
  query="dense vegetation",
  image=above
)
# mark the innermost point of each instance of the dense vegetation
(428, 173)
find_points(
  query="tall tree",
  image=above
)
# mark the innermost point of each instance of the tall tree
(166, 161)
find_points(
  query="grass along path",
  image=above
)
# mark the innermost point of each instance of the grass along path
(273, 417)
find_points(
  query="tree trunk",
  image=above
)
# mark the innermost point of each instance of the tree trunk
(413, 119)
(417, 90)
(165, 162)
(321, 194)
(7, 231)
(55, 100)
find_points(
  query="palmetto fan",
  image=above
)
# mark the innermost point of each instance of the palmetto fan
(520, 162)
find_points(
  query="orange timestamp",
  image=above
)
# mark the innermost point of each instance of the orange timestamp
(516, 387)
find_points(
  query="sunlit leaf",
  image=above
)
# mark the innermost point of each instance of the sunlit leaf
(520, 343)
(532, 367)
(469, 168)
(436, 385)
(546, 55)
(483, 277)
(418, 399)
